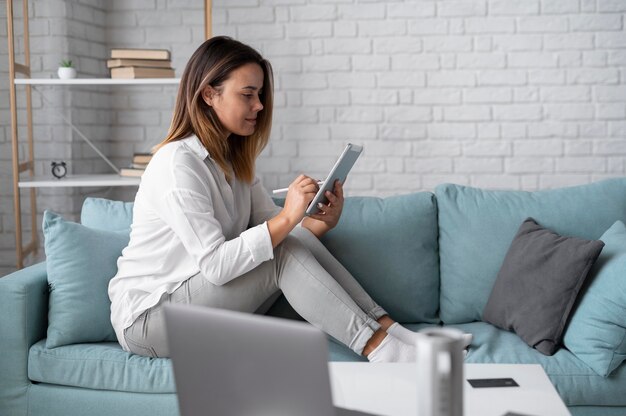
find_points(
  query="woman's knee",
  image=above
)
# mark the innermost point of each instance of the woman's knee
(306, 237)
(293, 246)
(302, 233)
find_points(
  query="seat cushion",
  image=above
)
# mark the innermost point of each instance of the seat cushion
(339, 352)
(476, 228)
(105, 366)
(575, 381)
(101, 366)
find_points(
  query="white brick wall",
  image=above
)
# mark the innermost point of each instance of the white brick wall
(59, 30)
(489, 93)
(511, 89)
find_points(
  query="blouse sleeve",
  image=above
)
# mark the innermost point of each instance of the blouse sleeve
(263, 207)
(191, 216)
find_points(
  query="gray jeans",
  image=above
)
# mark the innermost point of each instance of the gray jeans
(316, 285)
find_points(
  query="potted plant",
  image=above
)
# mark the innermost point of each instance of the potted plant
(66, 70)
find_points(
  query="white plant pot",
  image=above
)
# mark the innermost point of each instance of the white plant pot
(66, 73)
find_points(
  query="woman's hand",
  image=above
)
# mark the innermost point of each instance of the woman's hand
(328, 215)
(300, 194)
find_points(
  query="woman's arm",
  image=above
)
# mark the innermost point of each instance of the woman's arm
(191, 216)
(263, 207)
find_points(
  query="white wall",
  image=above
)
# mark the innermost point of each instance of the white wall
(490, 93)
(498, 94)
(58, 30)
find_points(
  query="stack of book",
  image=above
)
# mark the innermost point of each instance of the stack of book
(138, 165)
(140, 63)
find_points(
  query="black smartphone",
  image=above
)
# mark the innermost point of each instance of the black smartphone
(492, 382)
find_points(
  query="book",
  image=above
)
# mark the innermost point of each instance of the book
(138, 165)
(143, 158)
(150, 63)
(131, 172)
(129, 53)
(139, 72)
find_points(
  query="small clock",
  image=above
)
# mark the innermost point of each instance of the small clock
(59, 169)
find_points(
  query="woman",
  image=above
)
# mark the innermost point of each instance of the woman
(205, 231)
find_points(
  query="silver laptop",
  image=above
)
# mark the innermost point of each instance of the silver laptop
(236, 364)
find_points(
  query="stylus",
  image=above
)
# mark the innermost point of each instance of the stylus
(283, 190)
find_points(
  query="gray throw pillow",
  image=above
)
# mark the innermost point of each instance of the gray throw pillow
(538, 283)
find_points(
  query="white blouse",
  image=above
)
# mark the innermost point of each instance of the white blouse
(187, 219)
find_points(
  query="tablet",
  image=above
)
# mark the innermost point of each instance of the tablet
(338, 172)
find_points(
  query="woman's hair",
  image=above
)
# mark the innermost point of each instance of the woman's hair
(210, 65)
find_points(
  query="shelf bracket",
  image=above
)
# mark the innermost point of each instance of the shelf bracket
(22, 69)
(24, 166)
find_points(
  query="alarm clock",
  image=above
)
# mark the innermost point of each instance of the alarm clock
(59, 169)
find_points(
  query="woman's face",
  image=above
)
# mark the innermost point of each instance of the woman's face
(236, 102)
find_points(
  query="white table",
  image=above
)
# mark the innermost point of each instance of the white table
(390, 389)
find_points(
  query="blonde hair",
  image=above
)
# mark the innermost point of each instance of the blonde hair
(211, 65)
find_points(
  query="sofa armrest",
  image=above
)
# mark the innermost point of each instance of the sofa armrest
(23, 321)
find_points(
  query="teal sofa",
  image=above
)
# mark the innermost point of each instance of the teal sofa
(427, 258)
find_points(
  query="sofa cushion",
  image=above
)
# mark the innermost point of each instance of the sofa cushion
(538, 284)
(100, 366)
(390, 246)
(105, 214)
(597, 331)
(339, 352)
(80, 263)
(476, 228)
(575, 381)
(105, 366)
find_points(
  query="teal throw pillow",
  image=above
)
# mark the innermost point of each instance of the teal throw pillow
(80, 262)
(105, 214)
(597, 331)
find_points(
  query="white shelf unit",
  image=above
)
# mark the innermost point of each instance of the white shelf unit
(86, 180)
(95, 179)
(96, 81)
(27, 167)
